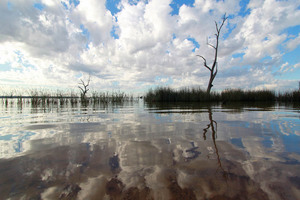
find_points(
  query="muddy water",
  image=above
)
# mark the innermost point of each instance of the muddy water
(139, 151)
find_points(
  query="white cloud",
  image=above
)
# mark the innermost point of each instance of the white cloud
(92, 14)
(297, 65)
(286, 67)
(41, 32)
(144, 26)
(151, 43)
(261, 30)
(293, 43)
(283, 67)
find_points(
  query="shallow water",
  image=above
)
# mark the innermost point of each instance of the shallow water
(139, 151)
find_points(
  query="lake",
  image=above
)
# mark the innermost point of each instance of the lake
(139, 151)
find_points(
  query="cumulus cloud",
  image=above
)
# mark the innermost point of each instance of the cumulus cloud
(293, 43)
(93, 15)
(143, 45)
(41, 32)
(261, 30)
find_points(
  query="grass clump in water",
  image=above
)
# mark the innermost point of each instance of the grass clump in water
(293, 96)
(231, 95)
(166, 94)
(114, 97)
(182, 95)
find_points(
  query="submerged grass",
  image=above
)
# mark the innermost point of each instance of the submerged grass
(114, 97)
(165, 94)
(45, 98)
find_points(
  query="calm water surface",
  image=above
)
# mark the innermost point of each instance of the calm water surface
(139, 151)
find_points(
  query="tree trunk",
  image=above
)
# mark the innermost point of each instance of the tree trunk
(214, 68)
(84, 90)
(210, 85)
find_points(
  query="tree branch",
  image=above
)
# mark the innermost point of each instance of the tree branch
(211, 46)
(88, 81)
(217, 27)
(84, 88)
(214, 67)
(81, 82)
(224, 19)
(81, 88)
(205, 131)
(205, 65)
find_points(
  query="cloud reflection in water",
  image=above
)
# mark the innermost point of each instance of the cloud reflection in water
(156, 152)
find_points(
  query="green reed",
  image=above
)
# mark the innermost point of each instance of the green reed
(166, 94)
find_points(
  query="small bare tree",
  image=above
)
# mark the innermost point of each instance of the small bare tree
(214, 68)
(84, 89)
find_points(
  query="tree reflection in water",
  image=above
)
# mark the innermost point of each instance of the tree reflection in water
(213, 126)
(117, 152)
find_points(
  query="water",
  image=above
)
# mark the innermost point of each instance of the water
(139, 151)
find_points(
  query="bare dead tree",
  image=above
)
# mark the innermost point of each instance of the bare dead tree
(214, 68)
(84, 88)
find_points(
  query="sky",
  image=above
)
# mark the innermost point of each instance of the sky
(135, 45)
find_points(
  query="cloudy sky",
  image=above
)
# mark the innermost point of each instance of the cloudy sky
(134, 45)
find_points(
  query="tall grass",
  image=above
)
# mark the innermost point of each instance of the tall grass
(161, 94)
(114, 97)
(293, 96)
(183, 95)
(45, 98)
(231, 95)
(166, 94)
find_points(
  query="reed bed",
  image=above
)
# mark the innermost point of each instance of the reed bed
(166, 94)
(293, 96)
(161, 94)
(45, 98)
(114, 97)
(238, 95)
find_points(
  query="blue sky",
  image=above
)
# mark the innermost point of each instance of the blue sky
(134, 45)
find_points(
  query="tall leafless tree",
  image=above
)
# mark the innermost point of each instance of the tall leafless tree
(214, 67)
(84, 88)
